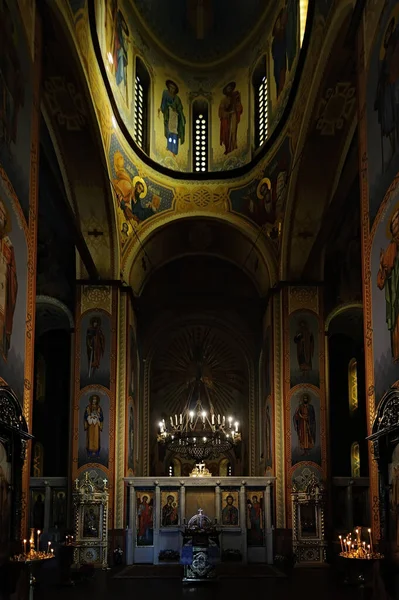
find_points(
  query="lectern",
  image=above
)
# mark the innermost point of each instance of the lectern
(200, 551)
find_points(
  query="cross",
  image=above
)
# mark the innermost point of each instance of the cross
(200, 511)
(200, 467)
(105, 481)
(95, 233)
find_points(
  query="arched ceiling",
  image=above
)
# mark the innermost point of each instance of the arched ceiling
(202, 31)
(205, 237)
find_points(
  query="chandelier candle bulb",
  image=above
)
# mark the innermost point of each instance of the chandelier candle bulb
(218, 419)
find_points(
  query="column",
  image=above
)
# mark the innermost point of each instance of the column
(268, 525)
(157, 519)
(131, 532)
(349, 506)
(182, 504)
(218, 495)
(47, 506)
(243, 524)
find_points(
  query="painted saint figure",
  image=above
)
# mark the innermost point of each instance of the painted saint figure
(169, 512)
(145, 522)
(254, 522)
(93, 425)
(304, 341)
(120, 50)
(305, 424)
(279, 50)
(388, 279)
(95, 345)
(173, 117)
(230, 512)
(8, 282)
(230, 111)
(11, 79)
(130, 192)
(90, 523)
(387, 95)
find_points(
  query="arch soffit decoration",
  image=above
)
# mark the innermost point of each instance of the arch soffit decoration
(257, 258)
(322, 138)
(52, 314)
(77, 140)
(165, 330)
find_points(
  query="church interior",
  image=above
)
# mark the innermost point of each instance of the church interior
(199, 352)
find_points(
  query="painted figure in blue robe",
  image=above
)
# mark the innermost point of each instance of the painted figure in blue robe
(292, 31)
(387, 96)
(121, 42)
(173, 117)
(135, 210)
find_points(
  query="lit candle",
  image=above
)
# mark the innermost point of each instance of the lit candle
(24, 546)
(181, 418)
(371, 541)
(52, 551)
(38, 539)
(342, 546)
(218, 419)
(236, 424)
(213, 419)
(48, 547)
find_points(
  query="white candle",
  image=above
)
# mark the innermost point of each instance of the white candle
(48, 547)
(24, 546)
(371, 541)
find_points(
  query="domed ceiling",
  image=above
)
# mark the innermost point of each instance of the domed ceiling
(202, 30)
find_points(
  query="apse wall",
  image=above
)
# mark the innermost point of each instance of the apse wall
(270, 50)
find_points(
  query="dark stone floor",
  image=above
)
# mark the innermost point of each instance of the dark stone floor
(304, 583)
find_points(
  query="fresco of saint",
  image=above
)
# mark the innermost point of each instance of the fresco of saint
(388, 280)
(305, 347)
(230, 111)
(95, 345)
(173, 117)
(387, 98)
(8, 282)
(230, 512)
(93, 425)
(145, 521)
(169, 512)
(305, 424)
(131, 192)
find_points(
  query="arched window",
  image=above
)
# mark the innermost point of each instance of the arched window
(303, 13)
(38, 459)
(261, 116)
(141, 102)
(355, 459)
(200, 134)
(352, 385)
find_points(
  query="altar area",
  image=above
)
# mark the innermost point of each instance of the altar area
(159, 508)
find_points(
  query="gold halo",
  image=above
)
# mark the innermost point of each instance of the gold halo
(261, 182)
(388, 224)
(394, 15)
(141, 180)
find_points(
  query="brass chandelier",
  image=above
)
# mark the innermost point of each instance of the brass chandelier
(198, 432)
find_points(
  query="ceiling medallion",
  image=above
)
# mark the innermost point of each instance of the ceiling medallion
(197, 433)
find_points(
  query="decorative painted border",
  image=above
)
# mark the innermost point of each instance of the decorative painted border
(279, 448)
(31, 268)
(366, 245)
(96, 304)
(289, 309)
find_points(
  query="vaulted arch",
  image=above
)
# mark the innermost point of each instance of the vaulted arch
(325, 135)
(70, 117)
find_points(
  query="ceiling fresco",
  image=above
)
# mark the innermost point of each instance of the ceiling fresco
(146, 200)
(202, 31)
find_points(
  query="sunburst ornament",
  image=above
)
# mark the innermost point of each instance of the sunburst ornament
(198, 431)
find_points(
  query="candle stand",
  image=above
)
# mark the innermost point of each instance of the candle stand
(359, 559)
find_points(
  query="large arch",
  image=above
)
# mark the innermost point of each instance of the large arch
(325, 134)
(206, 234)
(69, 114)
